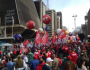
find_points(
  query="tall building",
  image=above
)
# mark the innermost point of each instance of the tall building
(60, 15)
(22, 11)
(58, 22)
(41, 9)
(88, 23)
(55, 20)
(84, 29)
(53, 23)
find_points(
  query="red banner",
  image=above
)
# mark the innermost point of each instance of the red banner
(71, 37)
(45, 38)
(38, 38)
(62, 34)
(78, 38)
(54, 38)
(25, 43)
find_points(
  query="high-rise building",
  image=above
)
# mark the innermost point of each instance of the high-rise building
(53, 23)
(88, 23)
(41, 9)
(22, 11)
(58, 22)
(84, 29)
(60, 15)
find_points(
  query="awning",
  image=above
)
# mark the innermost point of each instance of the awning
(27, 34)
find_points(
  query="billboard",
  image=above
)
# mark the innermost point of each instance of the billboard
(7, 10)
(21, 10)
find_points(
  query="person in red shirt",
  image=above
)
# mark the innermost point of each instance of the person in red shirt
(41, 55)
(36, 53)
(59, 60)
(4, 60)
(0, 53)
(49, 54)
(15, 52)
(42, 62)
(74, 56)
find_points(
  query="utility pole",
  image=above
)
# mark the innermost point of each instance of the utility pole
(5, 25)
(74, 20)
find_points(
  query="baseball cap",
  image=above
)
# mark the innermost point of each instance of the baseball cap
(49, 60)
(35, 57)
(69, 57)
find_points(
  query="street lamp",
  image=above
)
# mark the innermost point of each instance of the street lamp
(74, 20)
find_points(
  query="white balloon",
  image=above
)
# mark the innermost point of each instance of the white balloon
(58, 31)
(73, 33)
(79, 27)
(40, 30)
(77, 31)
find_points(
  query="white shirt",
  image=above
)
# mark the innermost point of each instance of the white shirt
(83, 68)
(25, 59)
(79, 49)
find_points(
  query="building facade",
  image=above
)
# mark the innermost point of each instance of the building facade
(84, 29)
(60, 15)
(58, 22)
(52, 24)
(88, 23)
(22, 11)
(41, 10)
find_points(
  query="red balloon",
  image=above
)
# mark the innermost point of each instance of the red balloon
(30, 24)
(46, 19)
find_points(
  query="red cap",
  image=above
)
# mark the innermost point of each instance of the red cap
(20, 52)
(43, 50)
(69, 57)
(35, 57)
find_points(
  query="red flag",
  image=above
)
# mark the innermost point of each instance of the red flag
(54, 38)
(71, 37)
(38, 38)
(25, 42)
(78, 38)
(45, 38)
(62, 34)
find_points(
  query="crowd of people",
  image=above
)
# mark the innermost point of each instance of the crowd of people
(68, 56)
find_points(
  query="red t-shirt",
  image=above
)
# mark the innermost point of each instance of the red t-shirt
(14, 52)
(4, 63)
(40, 56)
(0, 52)
(74, 57)
(69, 51)
(60, 62)
(57, 47)
(49, 54)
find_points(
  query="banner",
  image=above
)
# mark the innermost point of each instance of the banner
(45, 38)
(62, 34)
(54, 38)
(71, 37)
(78, 38)
(25, 43)
(38, 38)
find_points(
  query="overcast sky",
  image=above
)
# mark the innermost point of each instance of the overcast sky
(68, 8)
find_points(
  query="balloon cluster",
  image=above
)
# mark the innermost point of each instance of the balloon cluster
(76, 31)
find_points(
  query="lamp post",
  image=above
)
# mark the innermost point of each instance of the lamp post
(74, 20)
